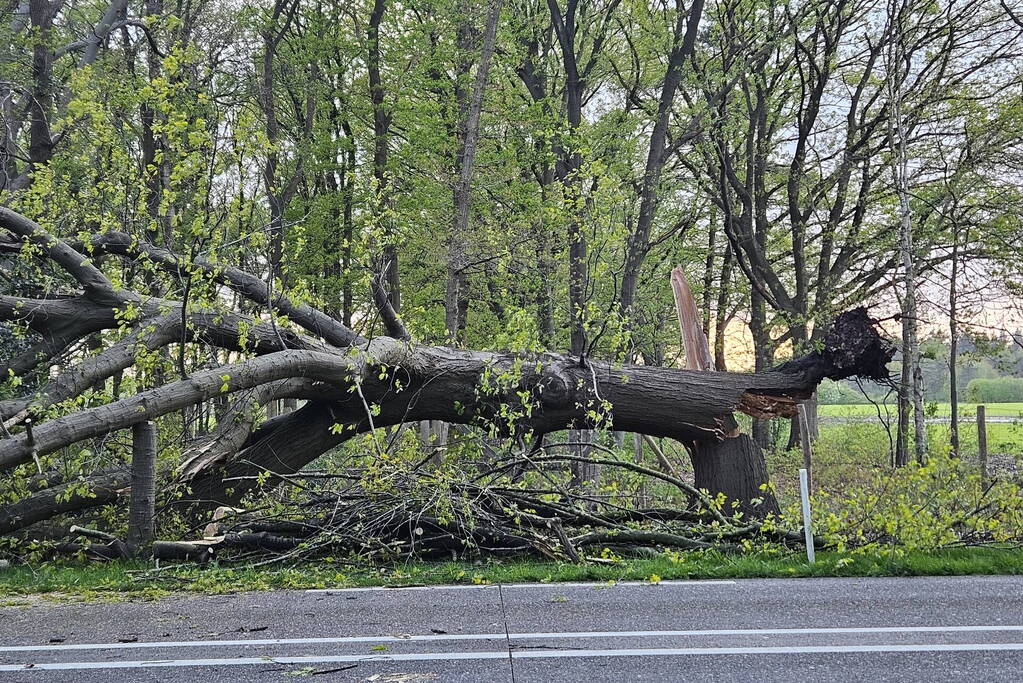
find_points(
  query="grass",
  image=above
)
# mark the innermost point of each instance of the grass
(966, 410)
(125, 580)
(1002, 437)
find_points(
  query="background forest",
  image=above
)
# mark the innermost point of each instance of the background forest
(521, 176)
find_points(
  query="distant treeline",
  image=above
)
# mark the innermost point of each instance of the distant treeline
(998, 390)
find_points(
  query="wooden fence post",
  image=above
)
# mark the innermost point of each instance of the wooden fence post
(142, 508)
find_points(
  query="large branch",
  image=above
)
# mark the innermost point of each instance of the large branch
(60, 432)
(245, 284)
(58, 317)
(60, 322)
(97, 286)
(52, 495)
(235, 428)
(102, 31)
(99, 291)
(74, 496)
(224, 330)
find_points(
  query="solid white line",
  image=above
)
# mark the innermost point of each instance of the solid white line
(563, 584)
(538, 654)
(249, 661)
(512, 636)
(770, 631)
(244, 643)
(769, 650)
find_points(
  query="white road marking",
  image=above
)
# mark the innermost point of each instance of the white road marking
(267, 641)
(512, 636)
(538, 654)
(769, 650)
(564, 584)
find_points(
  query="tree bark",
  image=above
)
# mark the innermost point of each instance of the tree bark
(142, 508)
(736, 468)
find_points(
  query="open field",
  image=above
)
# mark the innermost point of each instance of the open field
(868, 410)
(1002, 437)
(849, 425)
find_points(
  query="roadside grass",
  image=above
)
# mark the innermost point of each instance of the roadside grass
(966, 410)
(128, 580)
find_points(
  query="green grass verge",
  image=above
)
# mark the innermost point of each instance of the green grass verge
(123, 580)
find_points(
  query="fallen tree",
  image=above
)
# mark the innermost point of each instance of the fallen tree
(269, 347)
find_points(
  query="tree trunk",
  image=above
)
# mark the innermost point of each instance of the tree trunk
(470, 108)
(763, 354)
(736, 468)
(387, 265)
(911, 386)
(684, 40)
(953, 346)
(721, 313)
(40, 149)
(142, 509)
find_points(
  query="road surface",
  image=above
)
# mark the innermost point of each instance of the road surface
(909, 629)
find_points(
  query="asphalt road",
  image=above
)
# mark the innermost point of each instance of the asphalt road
(928, 629)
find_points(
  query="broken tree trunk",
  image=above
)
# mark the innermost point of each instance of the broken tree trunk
(735, 465)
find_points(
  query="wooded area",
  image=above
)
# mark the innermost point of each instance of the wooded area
(435, 277)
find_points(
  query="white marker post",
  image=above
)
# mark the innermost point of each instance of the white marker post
(804, 494)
